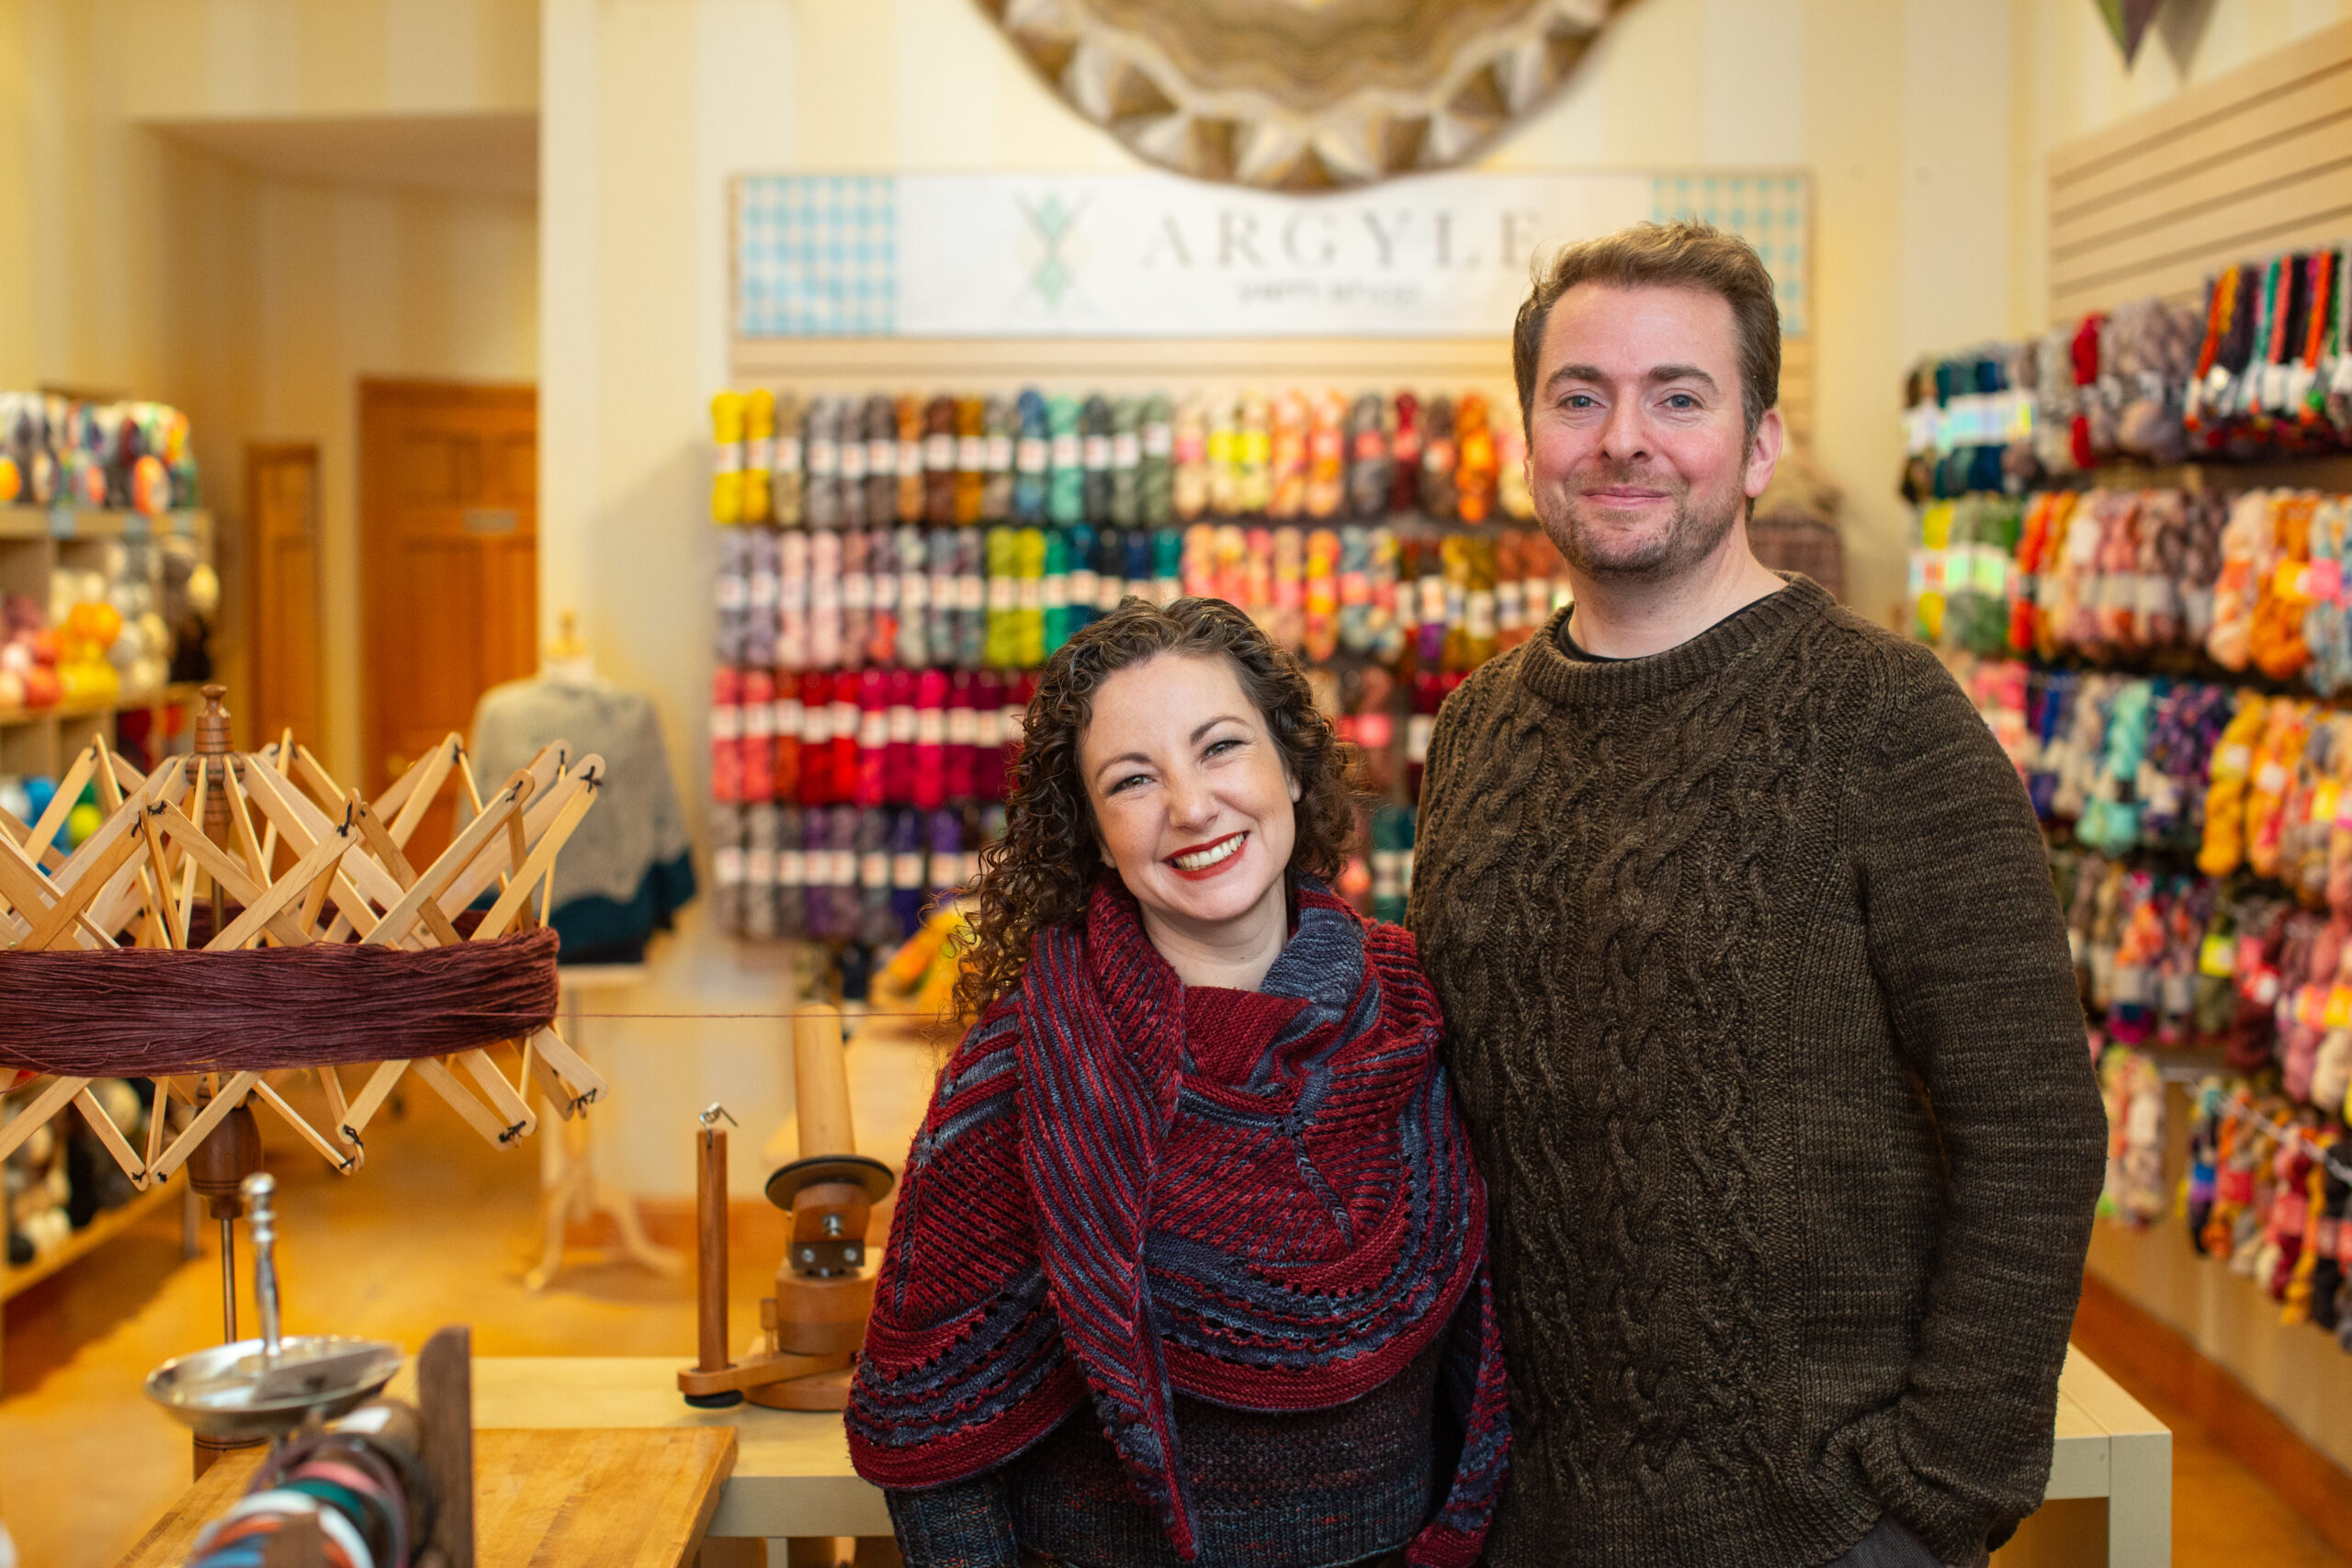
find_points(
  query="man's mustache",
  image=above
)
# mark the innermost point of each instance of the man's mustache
(1614, 474)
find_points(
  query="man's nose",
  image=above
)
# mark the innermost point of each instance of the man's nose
(1624, 435)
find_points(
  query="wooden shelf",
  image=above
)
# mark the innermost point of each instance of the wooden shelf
(112, 1223)
(69, 524)
(162, 697)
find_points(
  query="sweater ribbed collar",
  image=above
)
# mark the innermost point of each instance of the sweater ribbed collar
(1549, 671)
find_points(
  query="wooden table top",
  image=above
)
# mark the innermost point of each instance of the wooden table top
(793, 1476)
(597, 1498)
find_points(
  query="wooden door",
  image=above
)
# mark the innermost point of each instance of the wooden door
(449, 553)
(282, 548)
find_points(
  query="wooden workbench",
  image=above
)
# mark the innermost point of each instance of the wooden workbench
(630, 1498)
(793, 1477)
(792, 1473)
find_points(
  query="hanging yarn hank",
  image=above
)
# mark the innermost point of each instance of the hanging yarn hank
(141, 1012)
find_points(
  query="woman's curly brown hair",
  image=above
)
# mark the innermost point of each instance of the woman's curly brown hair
(1042, 870)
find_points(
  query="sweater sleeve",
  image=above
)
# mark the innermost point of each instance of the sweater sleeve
(1970, 949)
(1436, 788)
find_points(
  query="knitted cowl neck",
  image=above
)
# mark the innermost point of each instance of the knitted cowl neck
(1263, 1200)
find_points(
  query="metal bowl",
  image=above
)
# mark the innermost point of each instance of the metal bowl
(234, 1391)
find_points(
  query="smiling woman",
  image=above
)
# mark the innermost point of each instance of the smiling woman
(1192, 807)
(1190, 1247)
(1177, 752)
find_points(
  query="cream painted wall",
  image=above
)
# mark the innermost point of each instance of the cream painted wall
(306, 288)
(2069, 80)
(246, 59)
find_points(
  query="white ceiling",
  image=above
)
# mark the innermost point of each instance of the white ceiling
(487, 153)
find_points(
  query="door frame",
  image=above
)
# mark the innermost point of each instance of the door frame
(258, 452)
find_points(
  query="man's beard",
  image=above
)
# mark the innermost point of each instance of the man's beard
(1690, 536)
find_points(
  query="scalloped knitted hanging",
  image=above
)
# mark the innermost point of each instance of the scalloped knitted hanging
(1302, 94)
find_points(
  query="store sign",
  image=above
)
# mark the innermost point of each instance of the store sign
(1152, 256)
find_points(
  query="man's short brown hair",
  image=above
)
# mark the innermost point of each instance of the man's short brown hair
(1662, 255)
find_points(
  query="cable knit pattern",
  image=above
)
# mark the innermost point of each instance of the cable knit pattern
(1713, 930)
(1130, 1191)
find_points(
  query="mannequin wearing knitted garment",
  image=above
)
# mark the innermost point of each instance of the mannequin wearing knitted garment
(1757, 997)
(1189, 1263)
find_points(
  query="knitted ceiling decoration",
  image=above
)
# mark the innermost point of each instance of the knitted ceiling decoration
(1302, 94)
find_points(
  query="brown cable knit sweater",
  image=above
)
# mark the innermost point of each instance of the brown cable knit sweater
(1762, 1017)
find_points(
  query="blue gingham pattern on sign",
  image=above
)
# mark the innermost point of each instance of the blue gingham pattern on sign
(1770, 211)
(816, 256)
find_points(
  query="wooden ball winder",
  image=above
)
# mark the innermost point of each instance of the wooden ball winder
(815, 1322)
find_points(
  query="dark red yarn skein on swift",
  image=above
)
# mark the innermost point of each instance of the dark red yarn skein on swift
(145, 1011)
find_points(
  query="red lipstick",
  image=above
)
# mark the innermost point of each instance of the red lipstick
(1213, 867)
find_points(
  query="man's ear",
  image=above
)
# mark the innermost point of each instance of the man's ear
(1764, 453)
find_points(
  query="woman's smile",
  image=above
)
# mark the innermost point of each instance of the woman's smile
(1203, 861)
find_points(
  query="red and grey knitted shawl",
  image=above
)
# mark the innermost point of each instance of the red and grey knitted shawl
(1125, 1189)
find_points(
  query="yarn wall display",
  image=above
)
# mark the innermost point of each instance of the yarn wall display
(2262, 370)
(2270, 1194)
(56, 451)
(2164, 664)
(894, 569)
(319, 947)
(2202, 844)
(2247, 582)
(2200, 832)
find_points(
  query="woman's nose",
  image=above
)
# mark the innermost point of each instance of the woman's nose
(1190, 801)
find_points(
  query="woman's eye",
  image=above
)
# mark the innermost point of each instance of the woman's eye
(1130, 779)
(1216, 747)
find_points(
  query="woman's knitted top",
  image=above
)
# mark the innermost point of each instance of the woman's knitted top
(1761, 1012)
(1290, 1489)
(1126, 1192)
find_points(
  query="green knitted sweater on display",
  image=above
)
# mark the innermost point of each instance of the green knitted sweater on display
(1760, 1010)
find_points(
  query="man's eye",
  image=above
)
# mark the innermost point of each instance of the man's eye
(1580, 400)
(1681, 401)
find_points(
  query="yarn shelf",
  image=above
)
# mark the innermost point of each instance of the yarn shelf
(2262, 373)
(110, 1224)
(101, 523)
(38, 544)
(177, 694)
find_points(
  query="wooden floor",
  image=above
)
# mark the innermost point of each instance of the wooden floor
(440, 1228)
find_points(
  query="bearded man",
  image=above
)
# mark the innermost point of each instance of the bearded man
(1759, 997)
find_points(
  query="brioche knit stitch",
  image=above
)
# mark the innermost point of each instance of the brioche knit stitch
(1761, 1014)
(1130, 1191)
